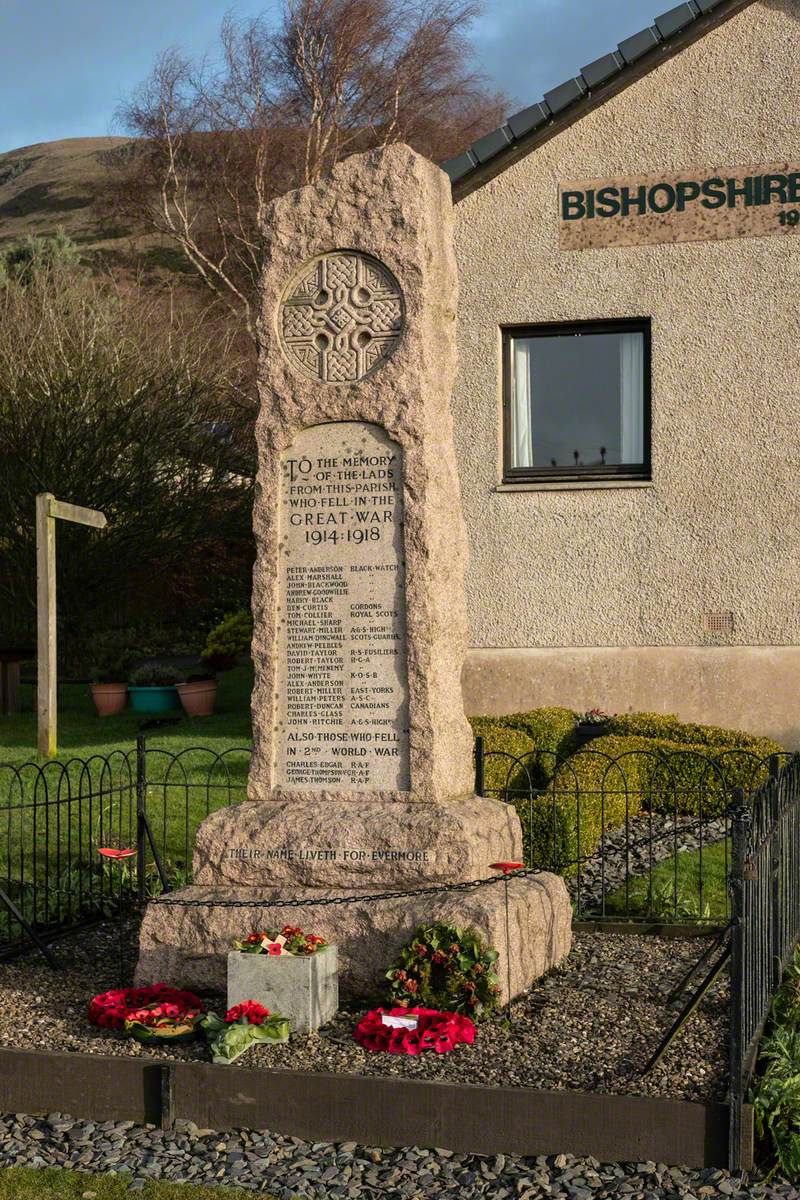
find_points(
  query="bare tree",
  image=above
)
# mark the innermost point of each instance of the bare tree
(218, 141)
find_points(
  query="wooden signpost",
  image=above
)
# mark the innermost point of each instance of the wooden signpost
(48, 510)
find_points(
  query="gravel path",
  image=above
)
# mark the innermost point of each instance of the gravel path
(589, 1025)
(632, 852)
(289, 1168)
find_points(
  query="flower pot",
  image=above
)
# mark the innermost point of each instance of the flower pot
(109, 698)
(302, 987)
(585, 732)
(154, 700)
(198, 697)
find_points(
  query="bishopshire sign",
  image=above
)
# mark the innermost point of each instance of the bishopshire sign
(693, 206)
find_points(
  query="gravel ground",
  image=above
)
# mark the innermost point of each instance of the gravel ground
(289, 1168)
(634, 851)
(590, 1025)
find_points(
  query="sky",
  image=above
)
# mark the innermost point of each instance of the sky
(65, 65)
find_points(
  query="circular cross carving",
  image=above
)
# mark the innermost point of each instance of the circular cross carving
(341, 316)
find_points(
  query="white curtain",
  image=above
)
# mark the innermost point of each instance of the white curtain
(521, 432)
(631, 375)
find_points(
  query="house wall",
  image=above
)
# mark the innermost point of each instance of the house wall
(587, 595)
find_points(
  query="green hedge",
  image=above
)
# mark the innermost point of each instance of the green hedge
(549, 732)
(666, 726)
(500, 739)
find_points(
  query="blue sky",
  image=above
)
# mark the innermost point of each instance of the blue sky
(66, 64)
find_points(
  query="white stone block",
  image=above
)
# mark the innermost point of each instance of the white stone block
(304, 988)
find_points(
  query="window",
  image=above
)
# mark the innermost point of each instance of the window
(577, 401)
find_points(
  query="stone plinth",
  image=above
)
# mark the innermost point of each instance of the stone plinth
(191, 944)
(358, 597)
(302, 987)
(354, 844)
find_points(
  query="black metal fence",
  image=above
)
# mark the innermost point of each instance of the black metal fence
(765, 891)
(56, 818)
(642, 836)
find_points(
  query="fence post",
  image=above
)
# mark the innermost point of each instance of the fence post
(479, 784)
(141, 825)
(740, 818)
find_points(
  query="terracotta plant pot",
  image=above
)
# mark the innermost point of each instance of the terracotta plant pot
(198, 697)
(109, 698)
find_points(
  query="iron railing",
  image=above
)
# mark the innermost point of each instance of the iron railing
(642, 836)
(765, 891)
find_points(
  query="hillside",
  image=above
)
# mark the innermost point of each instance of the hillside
(52, 184)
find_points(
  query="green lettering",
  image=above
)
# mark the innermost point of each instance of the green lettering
(775, 185)
(627, 201)
(669, 197)
(736, 189)
(608, 202)
(686, 191)
(713, 193)
(573, 206)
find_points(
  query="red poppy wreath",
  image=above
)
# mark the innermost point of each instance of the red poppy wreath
(433, 1030)
(112, 1009)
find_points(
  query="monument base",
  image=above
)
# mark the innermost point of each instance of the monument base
(188, 945)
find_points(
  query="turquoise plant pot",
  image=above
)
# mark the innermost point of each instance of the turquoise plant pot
(154, 700)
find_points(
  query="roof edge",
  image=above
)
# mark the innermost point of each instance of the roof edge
(606, 77)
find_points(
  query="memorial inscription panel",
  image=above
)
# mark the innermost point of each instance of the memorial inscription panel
(342, 686)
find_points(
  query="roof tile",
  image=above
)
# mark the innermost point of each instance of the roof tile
(529, 118)
(564, 94)
(637, 45)
(492, 143)
(601, 69)
(676, 19)
(459, 166)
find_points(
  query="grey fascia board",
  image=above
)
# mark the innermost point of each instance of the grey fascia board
(565, 94)
(639, 44)
(707, 5)
(459, 166)
(676, 19)
(492, 143)
(527, 119)
(601, 69)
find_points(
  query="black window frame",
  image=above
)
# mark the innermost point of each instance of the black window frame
(624, 471)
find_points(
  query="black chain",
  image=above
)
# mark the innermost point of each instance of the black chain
(369, 897)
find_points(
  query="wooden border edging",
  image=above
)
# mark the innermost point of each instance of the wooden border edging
(372, 1110)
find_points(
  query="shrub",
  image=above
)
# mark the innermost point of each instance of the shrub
(551, 729)
(505, 751)
(448, 969)
(156, 674)
(666, 726)
(233, 635)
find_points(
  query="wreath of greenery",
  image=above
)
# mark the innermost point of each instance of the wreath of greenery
(448, 969)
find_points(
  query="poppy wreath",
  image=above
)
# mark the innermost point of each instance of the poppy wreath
(448, 969)
(292, 941)
(111, 1010)
(243, 1026)
(437, 1031)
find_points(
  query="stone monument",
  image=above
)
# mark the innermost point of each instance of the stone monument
(361, 778)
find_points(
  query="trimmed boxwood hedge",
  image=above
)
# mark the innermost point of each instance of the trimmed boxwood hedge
(690, 773)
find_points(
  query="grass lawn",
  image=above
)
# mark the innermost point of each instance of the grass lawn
(54, 841)
(699, 890)
(82, 733)
(18, 1183)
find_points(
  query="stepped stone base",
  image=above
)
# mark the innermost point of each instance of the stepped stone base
(189, 946)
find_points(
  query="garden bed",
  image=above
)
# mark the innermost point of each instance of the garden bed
(588, 1026)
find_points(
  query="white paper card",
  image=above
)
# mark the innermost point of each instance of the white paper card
(399, 1022)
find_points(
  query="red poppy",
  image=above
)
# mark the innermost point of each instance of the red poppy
(249, 1010)
(437, 1031)
(505, 867)
(111, 1009)
(274, 948)
(115, 854)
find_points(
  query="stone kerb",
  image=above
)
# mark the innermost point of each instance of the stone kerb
(370, 249)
